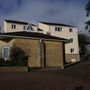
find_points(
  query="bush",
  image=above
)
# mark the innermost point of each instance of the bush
(18, 56)
(5, 62)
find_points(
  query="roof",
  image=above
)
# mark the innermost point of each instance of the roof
(57, 24)
(33, 24)
(33, 35)
(19, 22)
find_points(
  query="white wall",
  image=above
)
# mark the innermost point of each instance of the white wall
(34, 28)
(44, 27)
(8, 27)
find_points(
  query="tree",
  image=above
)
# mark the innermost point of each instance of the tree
(88, 13)
(84, 40)
(88, 8)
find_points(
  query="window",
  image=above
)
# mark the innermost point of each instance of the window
(72, 50)
(58, 28)
(13, 26)
(71, 39)
(70, 30)
(5, 52)
(55, 28)
(24, 27)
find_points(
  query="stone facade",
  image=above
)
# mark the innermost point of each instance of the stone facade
(42, 53)
(72, 58)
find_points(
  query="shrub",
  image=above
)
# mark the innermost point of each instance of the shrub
(18, 56)
(5, 62)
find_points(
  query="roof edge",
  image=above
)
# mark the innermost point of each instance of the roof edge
(16, 21)
(58, 24)
(11, 36)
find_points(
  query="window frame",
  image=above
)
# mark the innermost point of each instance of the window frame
(59, 29)
(56, 29)
(3, 56)
(13, 26)
(70, 29)
(72, 50)
(24, 27)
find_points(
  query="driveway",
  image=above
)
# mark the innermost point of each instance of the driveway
(76, 77)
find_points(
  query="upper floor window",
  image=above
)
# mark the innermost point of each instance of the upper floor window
(24, 27)
(70, 30)
(13, 26)
(72, 50)
(58, 28)
(71, 39)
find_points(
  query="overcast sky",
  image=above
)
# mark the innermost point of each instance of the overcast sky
(62, 11)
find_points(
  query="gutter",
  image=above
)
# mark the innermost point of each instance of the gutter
(41, 53)
(12, 36)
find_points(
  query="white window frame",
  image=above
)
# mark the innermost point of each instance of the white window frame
(58, 29)
(3, 52)
(13, 26)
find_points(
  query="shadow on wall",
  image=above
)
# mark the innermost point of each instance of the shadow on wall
(79, 88)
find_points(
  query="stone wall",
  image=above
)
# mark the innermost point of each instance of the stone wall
(32, 48)
(54, 54)
(72, 56)
(13, 69)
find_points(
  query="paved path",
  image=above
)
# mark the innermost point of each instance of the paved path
(76, 77)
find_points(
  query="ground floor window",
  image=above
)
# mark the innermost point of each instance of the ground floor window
(5, 53)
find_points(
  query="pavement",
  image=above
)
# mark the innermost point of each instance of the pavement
(75, 77)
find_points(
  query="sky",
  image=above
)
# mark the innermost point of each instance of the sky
(70, 12)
